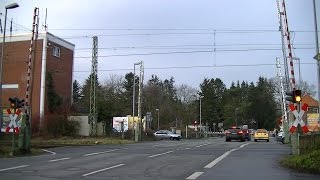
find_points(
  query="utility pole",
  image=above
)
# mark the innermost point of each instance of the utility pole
(140, 99)
(200, 112)
(93, 88)
(317, 51)
(158, 119)
(136, 124)
(10, 6)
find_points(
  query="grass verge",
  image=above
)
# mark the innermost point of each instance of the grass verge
(39, 142)
(76, 141)
(6, 151)
(307, 163)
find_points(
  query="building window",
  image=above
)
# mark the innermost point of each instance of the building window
(56, 51)
(315, 110)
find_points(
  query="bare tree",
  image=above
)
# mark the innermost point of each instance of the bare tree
(304, 86)
(114, 83)
(307, 88)
(186, 94)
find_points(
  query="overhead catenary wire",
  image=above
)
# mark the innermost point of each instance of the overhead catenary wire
(189, 67)
(184, 46)
(189, 52)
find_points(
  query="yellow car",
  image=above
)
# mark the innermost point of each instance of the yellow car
(261, 134)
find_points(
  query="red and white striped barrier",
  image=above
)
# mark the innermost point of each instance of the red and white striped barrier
(298, 119)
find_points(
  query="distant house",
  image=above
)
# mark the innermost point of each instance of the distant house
(53, 55)
(312, 115)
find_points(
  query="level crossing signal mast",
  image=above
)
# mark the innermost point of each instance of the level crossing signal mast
(294, 96)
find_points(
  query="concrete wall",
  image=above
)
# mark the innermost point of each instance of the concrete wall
(84, 129)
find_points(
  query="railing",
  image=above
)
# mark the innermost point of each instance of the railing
(308, 143)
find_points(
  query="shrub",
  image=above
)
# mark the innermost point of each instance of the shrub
(309, 162)
(148, 135)
(58, 125)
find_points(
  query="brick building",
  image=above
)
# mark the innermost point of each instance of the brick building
(52, 55)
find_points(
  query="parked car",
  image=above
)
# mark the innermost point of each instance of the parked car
(235, 133)
(261, 134)
(280, 137)
(165, 134)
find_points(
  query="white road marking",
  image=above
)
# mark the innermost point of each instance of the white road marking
(160, 154)
(103, 169)
(156, 145)
(53, 153)
(195, 175)
(243, 145)
(187, 148)
(96, 153)
(203, 145)
(220, 158)
(61, 159)
(216, 161)
(16, 167)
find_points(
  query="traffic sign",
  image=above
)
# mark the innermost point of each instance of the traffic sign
(13, 122)
(317, 57)
(298, 117)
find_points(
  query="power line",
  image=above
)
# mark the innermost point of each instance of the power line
(192, 67)
(174, 29)
(181, 46)
(190, 52)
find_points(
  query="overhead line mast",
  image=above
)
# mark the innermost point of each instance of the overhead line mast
(93, 89)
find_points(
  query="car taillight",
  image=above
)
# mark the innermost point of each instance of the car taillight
(228, 132)
(240, 132)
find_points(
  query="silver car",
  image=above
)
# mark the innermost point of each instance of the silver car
(165, 134)
(280, 137)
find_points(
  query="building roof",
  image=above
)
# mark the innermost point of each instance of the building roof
(310, 101)
(49, 36)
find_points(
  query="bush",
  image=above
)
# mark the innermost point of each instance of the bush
(148, 135)
(59, 125)
(306, 163)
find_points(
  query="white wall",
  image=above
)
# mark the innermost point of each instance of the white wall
(84, 129)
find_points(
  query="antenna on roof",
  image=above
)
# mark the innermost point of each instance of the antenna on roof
(11, 28)
(0, 24)
(45, 22)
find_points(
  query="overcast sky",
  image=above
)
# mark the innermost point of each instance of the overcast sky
(177, 37)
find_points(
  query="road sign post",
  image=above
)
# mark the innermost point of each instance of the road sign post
(297, 126)
(13, 124)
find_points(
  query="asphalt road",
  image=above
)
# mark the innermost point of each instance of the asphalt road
(187, 159)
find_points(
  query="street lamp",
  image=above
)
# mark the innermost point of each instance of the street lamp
(10, 6)
(235, 116)
(200, 118)
(158, 119)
